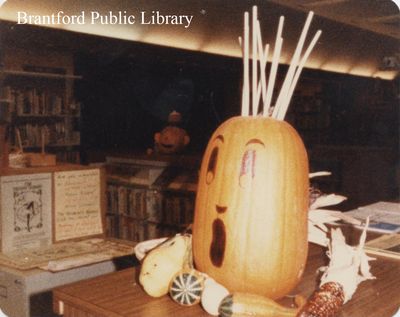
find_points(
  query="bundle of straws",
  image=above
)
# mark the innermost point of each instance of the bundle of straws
(259, 56)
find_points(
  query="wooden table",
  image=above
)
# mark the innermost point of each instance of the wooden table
(118, 294)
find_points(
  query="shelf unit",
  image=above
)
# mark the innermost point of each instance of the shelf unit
(37, 93)
(148, 199)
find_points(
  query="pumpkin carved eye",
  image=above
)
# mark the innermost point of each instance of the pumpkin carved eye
(212, 163)
(247, 168)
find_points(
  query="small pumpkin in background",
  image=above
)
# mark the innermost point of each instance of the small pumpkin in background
(250, 223)
(172, 139)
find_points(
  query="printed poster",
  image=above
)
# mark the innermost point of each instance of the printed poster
(77, 199)
(26, 211)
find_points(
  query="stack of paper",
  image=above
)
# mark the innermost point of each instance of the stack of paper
(384, 216)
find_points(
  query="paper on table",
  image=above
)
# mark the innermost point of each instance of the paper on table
(384, 216)
(102, 250)
(64, 255)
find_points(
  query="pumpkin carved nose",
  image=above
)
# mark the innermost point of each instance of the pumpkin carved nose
(221, 209)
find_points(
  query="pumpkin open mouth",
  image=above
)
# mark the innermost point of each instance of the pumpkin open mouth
(218, 243)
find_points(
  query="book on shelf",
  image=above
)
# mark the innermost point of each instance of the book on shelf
(384, 216)
(151, 200)
(6, 93)
(122, 201)
(36, 101)
(111, 226)
(387, 245)
(56, 133)
(139, 203)
(127, 200)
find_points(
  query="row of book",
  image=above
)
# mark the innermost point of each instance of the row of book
(151, 205)
(139, 212)
(138, 230)
(127, 200)
(72, 156)
(37, 101)
(178, 209)
(53, 133)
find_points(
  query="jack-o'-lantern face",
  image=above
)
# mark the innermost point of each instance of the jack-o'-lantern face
(171, 140)
(236, 189)
(251, 206)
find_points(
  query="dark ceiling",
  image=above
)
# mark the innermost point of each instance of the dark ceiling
(359, 37)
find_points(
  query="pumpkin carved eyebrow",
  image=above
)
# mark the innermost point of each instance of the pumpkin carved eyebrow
(255, 141)
(219, 137)
(212, 163)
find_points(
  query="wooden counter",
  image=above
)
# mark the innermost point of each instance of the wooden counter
(118, 294)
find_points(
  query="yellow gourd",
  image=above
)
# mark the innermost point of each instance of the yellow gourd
(242, 304)
(163, 262)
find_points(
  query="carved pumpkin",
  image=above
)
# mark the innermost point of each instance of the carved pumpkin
(250, 225)
(171, 140)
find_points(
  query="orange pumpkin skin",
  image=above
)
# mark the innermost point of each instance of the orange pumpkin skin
(250, 224)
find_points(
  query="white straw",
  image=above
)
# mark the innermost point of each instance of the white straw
(263, 67)
(263, 63)
(262, 83)
(304, 59)
(284, 102)
(272, 75)
(246, 95)
(283, 110)
(243, 93)
(320, 173)
(255, 62)
(293, 65)
(274, 66)
(280, 27)
(258, 92)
